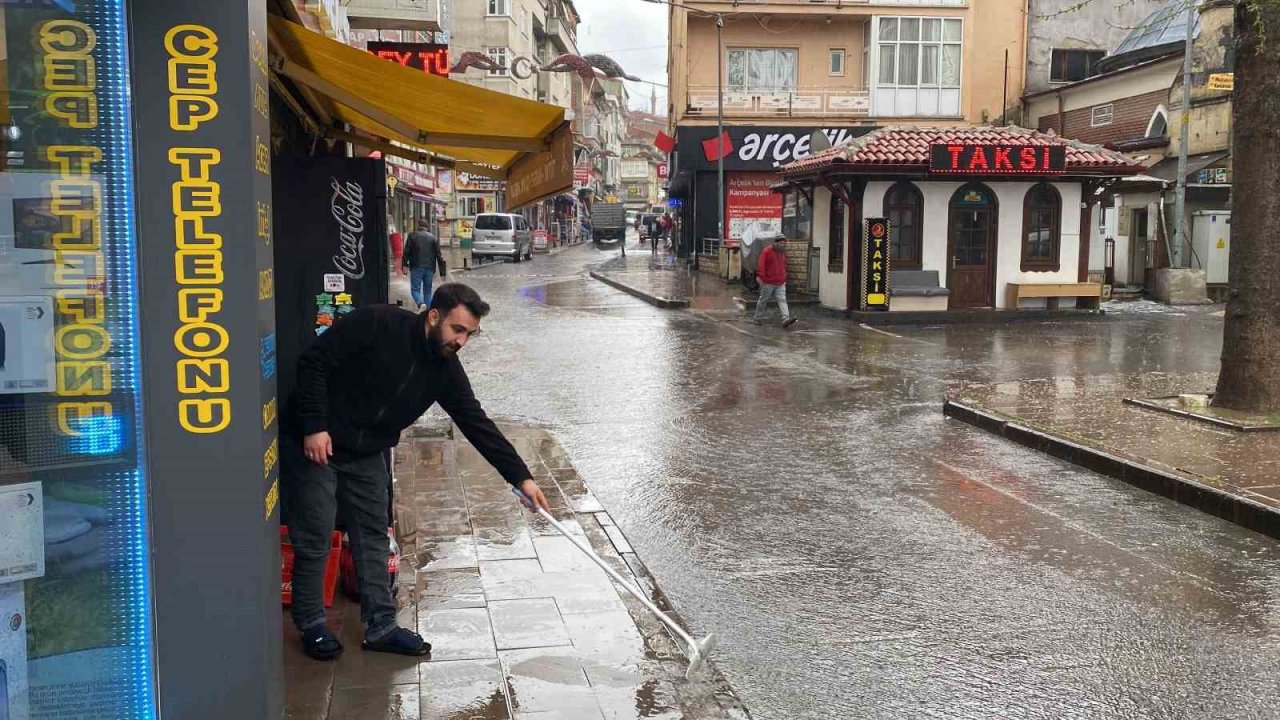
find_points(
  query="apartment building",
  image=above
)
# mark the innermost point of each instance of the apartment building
(787, 68)
(1067, 39)
(643, 165)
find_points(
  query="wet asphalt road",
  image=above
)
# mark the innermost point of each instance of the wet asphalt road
(800, 494)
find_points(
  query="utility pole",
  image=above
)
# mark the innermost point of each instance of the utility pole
(1184, 123)
(720, 122)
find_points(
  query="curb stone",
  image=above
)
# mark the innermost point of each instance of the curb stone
(655, 300)
(1173, 485)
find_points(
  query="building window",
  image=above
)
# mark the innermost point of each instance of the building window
(835, 64)
(762, 70)
(635, 168)
(1159, 125)
(918, 52)
(1073, 65)
(797, 216)
(1102, 115)
(1041, 226)
(500, 7)
(500, 56)
(904, 206)
(470, 205)
(917, 66)
(836, 225)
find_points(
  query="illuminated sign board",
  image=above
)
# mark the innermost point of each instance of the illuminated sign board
(431, 58)
(960, 159)
(875, 265)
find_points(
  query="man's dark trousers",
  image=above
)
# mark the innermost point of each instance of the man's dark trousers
(359, 485)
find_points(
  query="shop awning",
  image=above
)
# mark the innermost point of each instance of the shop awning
(486, 131)
(1167, 169)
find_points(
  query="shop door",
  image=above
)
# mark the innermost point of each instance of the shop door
(971, 247)
(1139, 252)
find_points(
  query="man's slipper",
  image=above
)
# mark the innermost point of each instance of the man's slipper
(399, 642)
(321, 644)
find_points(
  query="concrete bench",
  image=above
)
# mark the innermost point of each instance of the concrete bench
(916, 290)
(1090, 292)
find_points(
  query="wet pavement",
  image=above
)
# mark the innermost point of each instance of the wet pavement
(800, 493)
(1092, 411)
(523, 624)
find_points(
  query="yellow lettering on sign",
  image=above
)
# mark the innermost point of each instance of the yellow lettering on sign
(261, 156)
(273, 498)
(266, 284)
(268, 413)
(197, 376)
(270, 457)
(264, 222)
(196, 305)
(193, 76)
(70, 74)
(205, 415)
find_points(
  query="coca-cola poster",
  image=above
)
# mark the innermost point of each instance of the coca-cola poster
(331, 247)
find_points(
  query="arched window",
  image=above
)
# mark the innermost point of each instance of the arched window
(1041, 229)
(904, 206)
(1159, 125)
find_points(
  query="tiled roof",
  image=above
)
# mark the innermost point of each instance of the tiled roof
(903, 147)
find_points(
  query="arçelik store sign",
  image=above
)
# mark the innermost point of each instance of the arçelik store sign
(753, 147)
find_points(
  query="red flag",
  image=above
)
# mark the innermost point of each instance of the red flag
(716, 148)
(664, 142)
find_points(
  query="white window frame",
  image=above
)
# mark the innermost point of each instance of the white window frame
(795, 79)
(470, 202)
(872, 56)
(1160, 113)
(499, 8)
(1102, 115)
(832, 54)
(502, 56)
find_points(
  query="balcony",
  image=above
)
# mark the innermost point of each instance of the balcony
(560, 35)
(815, 102)
(422, 15)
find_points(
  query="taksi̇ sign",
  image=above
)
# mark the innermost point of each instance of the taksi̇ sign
(875, 265)
(960, 159)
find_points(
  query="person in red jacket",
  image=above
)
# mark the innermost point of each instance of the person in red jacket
(771, 271)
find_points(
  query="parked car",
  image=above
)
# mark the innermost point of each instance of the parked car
(502, 235)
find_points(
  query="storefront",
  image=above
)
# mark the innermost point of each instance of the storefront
(753, 156)
(938, 219)
(139, 352)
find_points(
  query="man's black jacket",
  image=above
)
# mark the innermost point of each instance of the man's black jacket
(372, 374)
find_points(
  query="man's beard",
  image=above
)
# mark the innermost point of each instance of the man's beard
(435, 341)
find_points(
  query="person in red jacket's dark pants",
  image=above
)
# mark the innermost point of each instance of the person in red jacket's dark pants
(771, 271)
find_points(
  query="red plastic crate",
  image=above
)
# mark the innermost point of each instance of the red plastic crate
(331, 565)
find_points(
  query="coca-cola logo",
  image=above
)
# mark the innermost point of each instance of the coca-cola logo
(347, 206)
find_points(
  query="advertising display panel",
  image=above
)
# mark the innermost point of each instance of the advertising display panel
(76, 636)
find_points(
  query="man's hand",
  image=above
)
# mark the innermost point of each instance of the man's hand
(533, 494)
(318, 448)
(404, 271)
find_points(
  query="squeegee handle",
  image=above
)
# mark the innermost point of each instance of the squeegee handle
(626, 584)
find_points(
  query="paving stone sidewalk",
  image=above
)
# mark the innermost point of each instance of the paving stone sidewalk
(522, 623)
(1229, 473)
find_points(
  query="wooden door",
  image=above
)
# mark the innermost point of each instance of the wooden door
(971, 248)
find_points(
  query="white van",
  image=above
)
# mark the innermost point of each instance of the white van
(502, 235)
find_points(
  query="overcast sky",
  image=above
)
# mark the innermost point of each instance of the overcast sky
(634, 33)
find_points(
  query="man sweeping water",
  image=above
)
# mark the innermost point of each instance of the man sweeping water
(374, 373)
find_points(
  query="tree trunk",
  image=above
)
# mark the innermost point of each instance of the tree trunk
(1250, 377)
